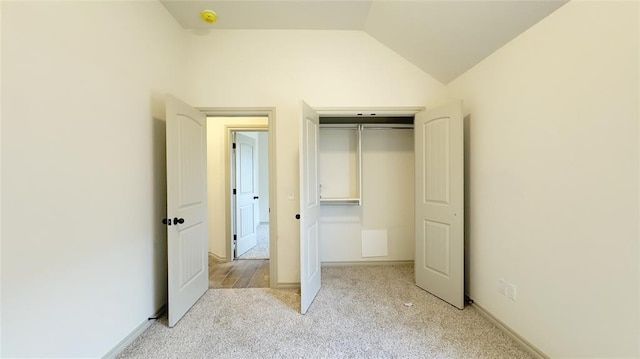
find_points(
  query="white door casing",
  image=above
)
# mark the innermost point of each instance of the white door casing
(246, 186)
(310, 271)
(187, 245)
(439, 171)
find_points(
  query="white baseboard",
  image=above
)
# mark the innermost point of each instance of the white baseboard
(537, 353)
(218, 258)
(366, 263)
(288, 285)
(126, 341)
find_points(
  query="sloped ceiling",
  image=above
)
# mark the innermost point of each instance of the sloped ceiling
(443, 38)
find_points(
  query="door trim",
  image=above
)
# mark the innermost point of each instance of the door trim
(270, 113)
(380, 111)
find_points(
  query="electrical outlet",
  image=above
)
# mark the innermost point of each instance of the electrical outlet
(507, 289)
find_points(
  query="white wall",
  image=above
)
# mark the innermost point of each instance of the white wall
(83, 176)
(263, 175)
(388, 200)
(217, 175)
(278, 69)
(552, 171)
(0, 179)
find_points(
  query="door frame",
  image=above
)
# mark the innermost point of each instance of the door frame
(270, 114)
(230, 131)
(373, 111)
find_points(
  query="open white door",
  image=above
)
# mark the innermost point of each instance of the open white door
(439, 256)
(246, 190)
(187, 244)
(309, 208)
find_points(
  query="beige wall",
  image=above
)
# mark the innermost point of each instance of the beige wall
(83, 174)
(552, 180)
(263, 175)
(280, 68)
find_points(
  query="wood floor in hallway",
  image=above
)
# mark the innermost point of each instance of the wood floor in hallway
(242, 273)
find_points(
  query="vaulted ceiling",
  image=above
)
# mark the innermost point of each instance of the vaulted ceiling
(444, 38)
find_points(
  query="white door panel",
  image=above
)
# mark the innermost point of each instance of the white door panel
(246, 185)
(310, 271)
(187, 246)
(439, 256)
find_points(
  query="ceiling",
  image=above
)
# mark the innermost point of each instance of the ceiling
(444, 38)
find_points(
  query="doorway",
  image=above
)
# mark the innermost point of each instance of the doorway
(250, 195)
(222, 125)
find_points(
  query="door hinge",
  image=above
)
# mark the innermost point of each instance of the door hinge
(233, 145)
(234, 191)
(235, 246)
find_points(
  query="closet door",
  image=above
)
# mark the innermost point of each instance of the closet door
(309, 208)
(439, 256)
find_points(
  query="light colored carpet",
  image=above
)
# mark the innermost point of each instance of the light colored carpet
(360, 312)
(261, 250)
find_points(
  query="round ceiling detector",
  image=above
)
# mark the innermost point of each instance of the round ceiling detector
(209, 16)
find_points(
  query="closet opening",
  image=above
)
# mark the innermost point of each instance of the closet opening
(366, 179)
(405, 196)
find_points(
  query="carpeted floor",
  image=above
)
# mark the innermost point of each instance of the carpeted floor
(360, 312)
(261, 250)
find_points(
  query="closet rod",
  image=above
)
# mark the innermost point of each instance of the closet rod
(367, 128)
(388, 128)
(338, 127)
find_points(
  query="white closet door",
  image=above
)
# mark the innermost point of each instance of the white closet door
(309, 216)
(187, 244)
(439, 256)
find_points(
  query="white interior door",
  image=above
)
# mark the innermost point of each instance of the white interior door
(310, 273)
(187, 230)
(246, 186)
(439, 256)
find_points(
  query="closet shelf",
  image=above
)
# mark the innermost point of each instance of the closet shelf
(340, 201)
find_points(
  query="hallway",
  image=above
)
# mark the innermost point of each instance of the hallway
(241, 273)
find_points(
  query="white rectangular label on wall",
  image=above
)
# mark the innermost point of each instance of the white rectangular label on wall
(374, 243)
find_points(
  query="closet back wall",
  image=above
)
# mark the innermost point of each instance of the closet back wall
(387, 197)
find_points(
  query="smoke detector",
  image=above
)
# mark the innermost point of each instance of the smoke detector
(209, 16)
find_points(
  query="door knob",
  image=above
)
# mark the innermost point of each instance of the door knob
(255, 197)
(177, 220)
